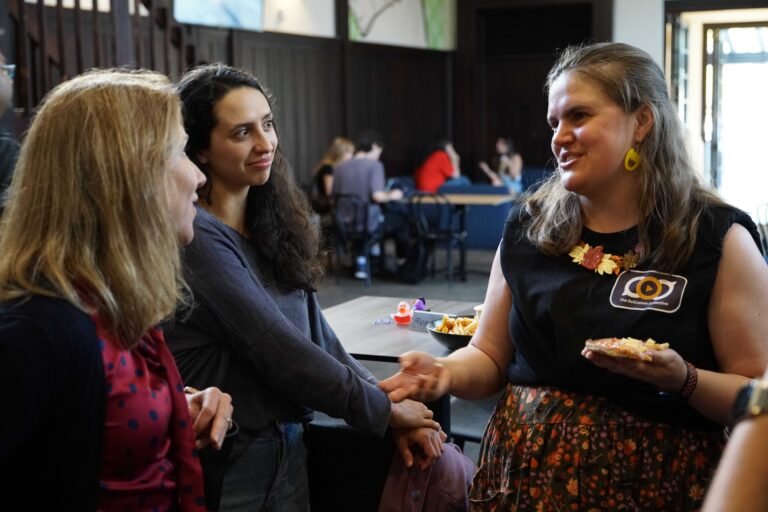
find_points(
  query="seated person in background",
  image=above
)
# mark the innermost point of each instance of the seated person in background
(440, 168)
(96, 414)
(363, 176)
(340, 150)
(507, 166)
(9, 148)
(739, 482)
(257, 330)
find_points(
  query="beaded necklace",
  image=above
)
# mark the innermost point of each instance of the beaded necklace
(593, 258)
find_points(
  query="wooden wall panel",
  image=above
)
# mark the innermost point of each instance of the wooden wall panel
(505, 49)
(209, 44)
(403, 94)
(323, 87)
(101, 55)
(517, 108)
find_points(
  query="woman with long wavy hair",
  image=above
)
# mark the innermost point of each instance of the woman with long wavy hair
(257, 330)
(96, 414)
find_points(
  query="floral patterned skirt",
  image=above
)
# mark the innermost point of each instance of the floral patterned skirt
(545, 449)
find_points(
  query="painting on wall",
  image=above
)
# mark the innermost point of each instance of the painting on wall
(417, 23)
(239, 14)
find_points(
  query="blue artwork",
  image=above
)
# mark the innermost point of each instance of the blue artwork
(240, 14)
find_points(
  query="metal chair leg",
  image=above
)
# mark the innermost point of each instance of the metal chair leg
(368, 269)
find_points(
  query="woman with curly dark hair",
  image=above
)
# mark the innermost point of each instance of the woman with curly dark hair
(257, 328)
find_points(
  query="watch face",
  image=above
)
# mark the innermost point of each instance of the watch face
(742, 399)
(740, 404)
(750, 401)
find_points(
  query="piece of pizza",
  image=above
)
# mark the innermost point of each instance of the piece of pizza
(631, 348)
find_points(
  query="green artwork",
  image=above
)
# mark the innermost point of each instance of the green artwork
(363, 15)
(435, 23)
(354, 28)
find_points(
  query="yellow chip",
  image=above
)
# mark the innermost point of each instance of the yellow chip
(460, 325)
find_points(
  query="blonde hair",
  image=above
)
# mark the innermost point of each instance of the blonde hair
(336, 151)
(670, 195)
(87, 217)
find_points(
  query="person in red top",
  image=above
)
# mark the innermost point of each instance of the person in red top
(97, 416)
(440, 166)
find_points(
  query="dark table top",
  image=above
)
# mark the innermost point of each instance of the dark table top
(367, 331)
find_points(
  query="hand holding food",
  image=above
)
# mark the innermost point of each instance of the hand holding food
(647, 361)
(631, 348)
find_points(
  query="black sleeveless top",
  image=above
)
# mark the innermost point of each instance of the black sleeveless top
(558, 304)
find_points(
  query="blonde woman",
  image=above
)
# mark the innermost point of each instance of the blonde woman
(96, 415)
(340, 150)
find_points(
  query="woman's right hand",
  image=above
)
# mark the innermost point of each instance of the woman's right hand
(421, 377)
(211, 413)
(421, 445)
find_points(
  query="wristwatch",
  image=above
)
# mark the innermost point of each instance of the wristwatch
(751, 401)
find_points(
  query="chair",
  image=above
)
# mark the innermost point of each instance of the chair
(347, 467)
(532, 177)
(351, 229)
(762, 225)
(469, 418)
(404, 183)
(437, 223)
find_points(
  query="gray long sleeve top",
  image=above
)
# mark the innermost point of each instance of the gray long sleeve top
(273, 351)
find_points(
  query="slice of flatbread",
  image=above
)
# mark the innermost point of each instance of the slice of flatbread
(631, 348)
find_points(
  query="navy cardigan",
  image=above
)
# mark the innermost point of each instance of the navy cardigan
(53, 389)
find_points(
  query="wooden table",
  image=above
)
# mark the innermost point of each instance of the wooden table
(468, 199)
(479, 199)
(367, 331)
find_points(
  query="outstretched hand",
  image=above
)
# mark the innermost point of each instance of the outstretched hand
(211, 413)
(666, 370)
(421, 377)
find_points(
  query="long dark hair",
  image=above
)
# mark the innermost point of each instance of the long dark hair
(277, 214)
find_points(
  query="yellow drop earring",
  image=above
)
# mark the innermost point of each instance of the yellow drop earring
(632, 160)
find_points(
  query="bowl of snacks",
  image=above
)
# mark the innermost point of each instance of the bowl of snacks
(453, 332)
